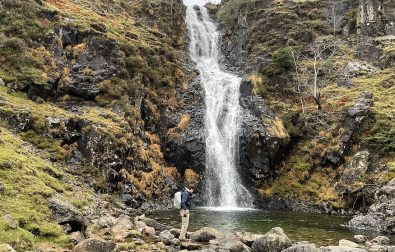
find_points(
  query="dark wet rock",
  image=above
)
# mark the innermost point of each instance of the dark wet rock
(191, 246)
(19, 120)
(247, 238)
(175, 231)
(6, 248)
(352, 179)
(206, 234)
(10, 221)
(302, 247)
(94, 245)
(352, 122)
(65, 213)
(382, 240)
(273, 241)
(381, 215)
(360, 238)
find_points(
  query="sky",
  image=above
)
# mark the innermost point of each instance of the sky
(200, 2)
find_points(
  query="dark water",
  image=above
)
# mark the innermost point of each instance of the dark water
(299, 226)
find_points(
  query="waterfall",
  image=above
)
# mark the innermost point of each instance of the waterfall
(223, 187)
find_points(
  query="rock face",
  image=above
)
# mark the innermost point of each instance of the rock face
(352, 178)
(381, 215)
(376, 18)
(273, 241)
(66, 214)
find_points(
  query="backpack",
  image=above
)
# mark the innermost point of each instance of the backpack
(177, 200)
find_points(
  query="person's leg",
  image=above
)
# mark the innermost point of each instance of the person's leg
(184, 223)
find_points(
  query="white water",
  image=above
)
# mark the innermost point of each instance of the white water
(222, 116)
(200, 2)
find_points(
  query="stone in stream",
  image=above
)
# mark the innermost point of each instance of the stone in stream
(381, 240)
(191, 246)
(347, 243)
(360, 239)
(341, 249)
(237, 246)
(302, 247)
(247, 237)
(206, 234)
(273, 241)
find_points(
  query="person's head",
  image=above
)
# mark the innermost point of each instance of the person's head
(191, 189)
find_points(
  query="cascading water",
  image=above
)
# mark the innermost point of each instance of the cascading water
(222, 116)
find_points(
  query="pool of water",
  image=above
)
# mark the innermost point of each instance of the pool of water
(299, 226)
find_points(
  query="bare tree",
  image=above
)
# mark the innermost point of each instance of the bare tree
(310, 65)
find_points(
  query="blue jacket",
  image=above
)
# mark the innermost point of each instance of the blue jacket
(186, 199)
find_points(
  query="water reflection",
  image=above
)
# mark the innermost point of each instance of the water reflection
(321, 229)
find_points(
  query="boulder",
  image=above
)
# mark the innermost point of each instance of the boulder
(6, 248)
(10, 221)
(382, 240)
(166, 237)
(206, 234)
(237, 246)
(191, 246)
(66, 213)
(347, 243)
(273, 241)
(76, 237)
(94, 245)
(122, 229)
(302, 247)
(380, 216)
(175, 231)
(360, 238)
(247, 238)
(149, 231)
(151, 223)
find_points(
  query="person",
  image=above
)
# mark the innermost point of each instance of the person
(186, 201)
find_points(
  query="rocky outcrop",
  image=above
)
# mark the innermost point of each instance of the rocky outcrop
(381, 215)
(376, 18)
(66, 214)
(352, 179)
(206, 234)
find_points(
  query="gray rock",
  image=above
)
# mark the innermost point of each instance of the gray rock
(206, 234)
(191, 246)
(2, 187)
(352, 178)
(76, 237)
(6, 248)
(380, 216)
(151, 223)
(10, 221)
(347, 243)
(166, 237)
(94, 245)
(273, 241)
(237, 246)
(150, 231)
(52, 122)
(2, 82)
(341, 249)
(66, 213)
(302, 247)
(360, 238)
(382, 240)
(247, 238)
(175, 231)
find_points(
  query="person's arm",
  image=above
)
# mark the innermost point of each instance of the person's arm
(184, 199)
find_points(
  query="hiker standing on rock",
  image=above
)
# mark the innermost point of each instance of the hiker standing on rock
(186, 201)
